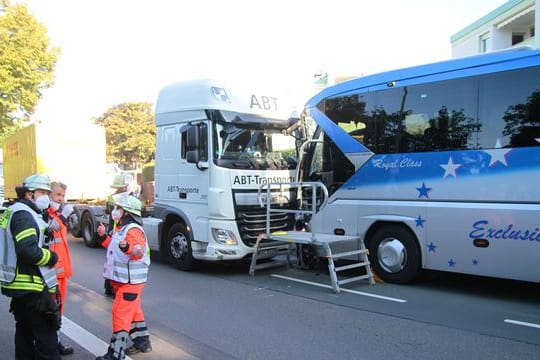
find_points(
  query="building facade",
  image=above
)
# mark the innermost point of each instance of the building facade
(510, 25)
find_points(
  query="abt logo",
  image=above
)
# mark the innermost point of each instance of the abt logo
(263, 102)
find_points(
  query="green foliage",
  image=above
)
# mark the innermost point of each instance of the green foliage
(27, 64)
(148, 172)
(130, 133)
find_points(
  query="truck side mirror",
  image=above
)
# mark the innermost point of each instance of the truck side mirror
(193, 137)
(197, 146)
(192, 156)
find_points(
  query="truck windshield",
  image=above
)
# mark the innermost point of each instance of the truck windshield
(247, 141)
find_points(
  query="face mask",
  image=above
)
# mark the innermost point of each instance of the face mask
(55, 205)
(117, 214)
(42, 202)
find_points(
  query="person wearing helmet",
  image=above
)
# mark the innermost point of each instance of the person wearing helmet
(57, 215)
(120, 185)
(126, 266)
(33, 290)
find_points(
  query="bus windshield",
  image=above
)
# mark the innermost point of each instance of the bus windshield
(247, 141)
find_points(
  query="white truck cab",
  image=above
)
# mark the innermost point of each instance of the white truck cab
(215, 145)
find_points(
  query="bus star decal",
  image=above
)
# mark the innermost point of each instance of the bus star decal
(450, 168)
(498, 154)
(423, 191)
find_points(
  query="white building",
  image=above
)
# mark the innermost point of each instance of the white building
(511, 24)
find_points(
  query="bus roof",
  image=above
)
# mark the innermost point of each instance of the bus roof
(209, 94)
(449, 69)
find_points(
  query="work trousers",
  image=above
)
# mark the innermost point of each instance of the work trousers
(62, 288)
(127, 314)
(35, 332)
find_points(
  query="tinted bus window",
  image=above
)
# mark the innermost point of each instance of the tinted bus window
(510, 108)
(437, 116)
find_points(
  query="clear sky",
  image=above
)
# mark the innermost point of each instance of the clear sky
(115, 51)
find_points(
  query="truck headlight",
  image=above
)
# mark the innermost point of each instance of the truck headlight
(224, 236)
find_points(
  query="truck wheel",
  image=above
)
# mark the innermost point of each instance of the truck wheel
(73, 224)
(88, 229)
(178, 248)
(394, 254)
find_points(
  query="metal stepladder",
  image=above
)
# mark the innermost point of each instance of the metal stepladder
(272, 244)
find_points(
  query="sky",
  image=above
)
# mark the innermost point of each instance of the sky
(115, 51)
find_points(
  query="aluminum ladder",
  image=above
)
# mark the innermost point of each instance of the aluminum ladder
(272, 244)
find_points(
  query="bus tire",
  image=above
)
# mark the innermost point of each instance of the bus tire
(395, 254)
(88, 230)
(178, 248)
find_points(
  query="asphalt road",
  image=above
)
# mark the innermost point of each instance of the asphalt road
(220, 312)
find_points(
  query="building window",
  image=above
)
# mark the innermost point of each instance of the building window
(484, 43)
(517, 38)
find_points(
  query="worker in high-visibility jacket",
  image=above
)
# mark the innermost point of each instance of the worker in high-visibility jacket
(126, 265)
(120, 185)
(58, 213)
(34, 286)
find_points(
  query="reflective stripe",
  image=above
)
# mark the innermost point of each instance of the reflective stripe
(56, 240)
(25, 233)
(26, 282)
(138, 329)
(45, 257)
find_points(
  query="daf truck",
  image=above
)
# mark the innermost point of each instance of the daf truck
(215, 145)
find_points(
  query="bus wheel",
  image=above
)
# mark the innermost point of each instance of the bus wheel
(395, 255)
(179, 248)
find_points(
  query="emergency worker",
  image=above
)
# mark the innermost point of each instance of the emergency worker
(126, 266)
(34, 303)
(120, 185)
(58, 213)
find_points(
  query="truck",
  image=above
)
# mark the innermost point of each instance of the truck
(71, 153)
(215, 145)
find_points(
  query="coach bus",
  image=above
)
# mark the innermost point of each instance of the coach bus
(434, 166)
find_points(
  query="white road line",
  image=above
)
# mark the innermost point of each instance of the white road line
(84, 338)
(343, 290)
(522, 323)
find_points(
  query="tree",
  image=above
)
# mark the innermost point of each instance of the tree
(130, 133)
(27, 64)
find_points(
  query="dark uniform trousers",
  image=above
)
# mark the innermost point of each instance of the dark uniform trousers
(33, 324)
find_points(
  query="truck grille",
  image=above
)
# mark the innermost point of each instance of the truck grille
(252, 222)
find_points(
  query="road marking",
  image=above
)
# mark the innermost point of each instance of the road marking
(342, 289)
(522, 323)
(84, 338)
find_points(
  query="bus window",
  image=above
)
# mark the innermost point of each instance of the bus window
(510, 108)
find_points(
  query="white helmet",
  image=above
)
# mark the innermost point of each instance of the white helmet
(128, 202)
(120, 181)
(37, 181)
